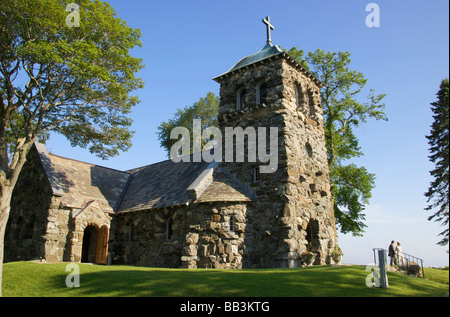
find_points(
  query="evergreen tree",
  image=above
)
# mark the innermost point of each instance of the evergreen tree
(437, 193)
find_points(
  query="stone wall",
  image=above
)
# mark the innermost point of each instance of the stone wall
(194, 236)
(63, 239)
(307, 166)
(217, 239)
(40, 226)
(57, 228)
(26, 228)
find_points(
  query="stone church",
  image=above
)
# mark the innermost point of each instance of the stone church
(193, 214)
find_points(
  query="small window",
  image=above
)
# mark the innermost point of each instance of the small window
(261, 93)
(309, 150)
(232, 222)
(240, 105)
(169, 229)
(256, 176)
(298, 96)
(129, 229)
(312, 109)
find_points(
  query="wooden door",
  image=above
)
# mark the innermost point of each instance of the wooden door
(101, 256)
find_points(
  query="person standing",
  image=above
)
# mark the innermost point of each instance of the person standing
(399, 253)
(391, 252)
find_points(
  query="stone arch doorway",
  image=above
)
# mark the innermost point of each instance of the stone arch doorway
(95, 244)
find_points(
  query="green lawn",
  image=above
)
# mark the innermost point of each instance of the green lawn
(32, 279)
(437, 275)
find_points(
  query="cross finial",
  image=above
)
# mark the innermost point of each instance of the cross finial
(269, 26)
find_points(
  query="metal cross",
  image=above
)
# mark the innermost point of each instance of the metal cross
(269, 26)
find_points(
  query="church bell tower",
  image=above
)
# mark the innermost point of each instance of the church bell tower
(293, 210)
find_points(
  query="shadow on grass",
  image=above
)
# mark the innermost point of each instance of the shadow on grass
(28, 279)
(308, 282)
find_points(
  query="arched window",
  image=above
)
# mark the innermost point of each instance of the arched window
(261, 93)
(240, 104)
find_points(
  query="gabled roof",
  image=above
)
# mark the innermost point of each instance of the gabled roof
(223, 188)
(163, 184)
(168, 184)
(79, 183)
(159, 185)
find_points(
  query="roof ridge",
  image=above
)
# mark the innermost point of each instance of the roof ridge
(123, 193)
(198, 186)
(137, 169)
(87, 163)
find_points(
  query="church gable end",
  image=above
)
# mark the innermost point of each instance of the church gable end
(27, 222)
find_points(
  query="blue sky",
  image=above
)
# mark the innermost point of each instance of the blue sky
(187, 43)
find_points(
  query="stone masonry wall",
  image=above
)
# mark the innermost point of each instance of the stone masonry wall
(40, 226)
(309, 178)
(26, 228)
(194, 236)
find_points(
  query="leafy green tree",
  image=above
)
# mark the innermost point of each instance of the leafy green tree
(205, 109)
(342, 113)
(438, 192)
(62, 75)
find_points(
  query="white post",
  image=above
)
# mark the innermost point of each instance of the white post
(383, 264)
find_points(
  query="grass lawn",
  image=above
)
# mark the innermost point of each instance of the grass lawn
(33, 279)
(437, 275)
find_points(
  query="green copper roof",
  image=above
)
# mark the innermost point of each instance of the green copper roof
(266, 52)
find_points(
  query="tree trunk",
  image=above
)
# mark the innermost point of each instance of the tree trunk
(5, 205)
(8, 180)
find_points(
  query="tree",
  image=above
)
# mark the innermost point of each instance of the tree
(59, 77)
(438, 192)
(343, 112)
(205, 109)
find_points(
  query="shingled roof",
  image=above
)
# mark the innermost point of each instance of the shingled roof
(79, 183)
(159, 185)
(168, 184)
